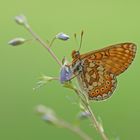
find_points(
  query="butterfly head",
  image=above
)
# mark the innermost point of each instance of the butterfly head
(75, 54)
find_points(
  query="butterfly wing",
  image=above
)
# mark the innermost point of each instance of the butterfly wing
(95, 81)
(100, 68)
(116, 58)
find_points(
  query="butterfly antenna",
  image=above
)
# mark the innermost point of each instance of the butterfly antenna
(81, 39)
(75, 37)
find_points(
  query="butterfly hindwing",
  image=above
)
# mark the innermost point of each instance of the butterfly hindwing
(96, 81)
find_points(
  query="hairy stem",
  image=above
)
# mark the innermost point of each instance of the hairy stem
(43, 43)
(96, 124)
(52, 41)
(93, 119)
(75, 130)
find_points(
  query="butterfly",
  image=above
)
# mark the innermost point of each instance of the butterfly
(97, 70)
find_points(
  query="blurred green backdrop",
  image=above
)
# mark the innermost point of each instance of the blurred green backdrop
(104, 23)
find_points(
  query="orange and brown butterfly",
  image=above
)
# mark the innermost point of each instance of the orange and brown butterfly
(97, 70)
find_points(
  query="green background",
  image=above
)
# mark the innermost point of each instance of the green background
(104, 23)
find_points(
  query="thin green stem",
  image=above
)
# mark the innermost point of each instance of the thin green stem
(52, 41)
(96, 123)
(75, 130)
(93, 119)
(43, 44)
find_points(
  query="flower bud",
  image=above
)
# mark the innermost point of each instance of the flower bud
(62, 36)
(43, 80)
(49, 118)
(47, 114)
(17, 41)
(84, 114)
(21, 20)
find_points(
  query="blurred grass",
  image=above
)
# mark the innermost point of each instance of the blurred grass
(104, 22)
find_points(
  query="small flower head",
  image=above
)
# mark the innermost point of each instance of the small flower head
(65, 73)
(62, 36)
(84, 114)
(47, 114)
(21, 20)
(16, 41)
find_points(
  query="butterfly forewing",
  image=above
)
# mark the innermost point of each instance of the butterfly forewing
(115, 58)
(100, 68)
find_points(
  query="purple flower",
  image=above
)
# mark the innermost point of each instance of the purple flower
(65, 74)
(62, 36)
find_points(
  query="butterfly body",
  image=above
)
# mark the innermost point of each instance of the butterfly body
(96, 71)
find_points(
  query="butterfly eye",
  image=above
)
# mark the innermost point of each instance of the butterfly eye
(78, 68)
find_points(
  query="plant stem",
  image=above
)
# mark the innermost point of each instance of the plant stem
(52, 41)
(85, 101)
(43, 44)
(75, 130)
(97, 125)
(93, 119)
